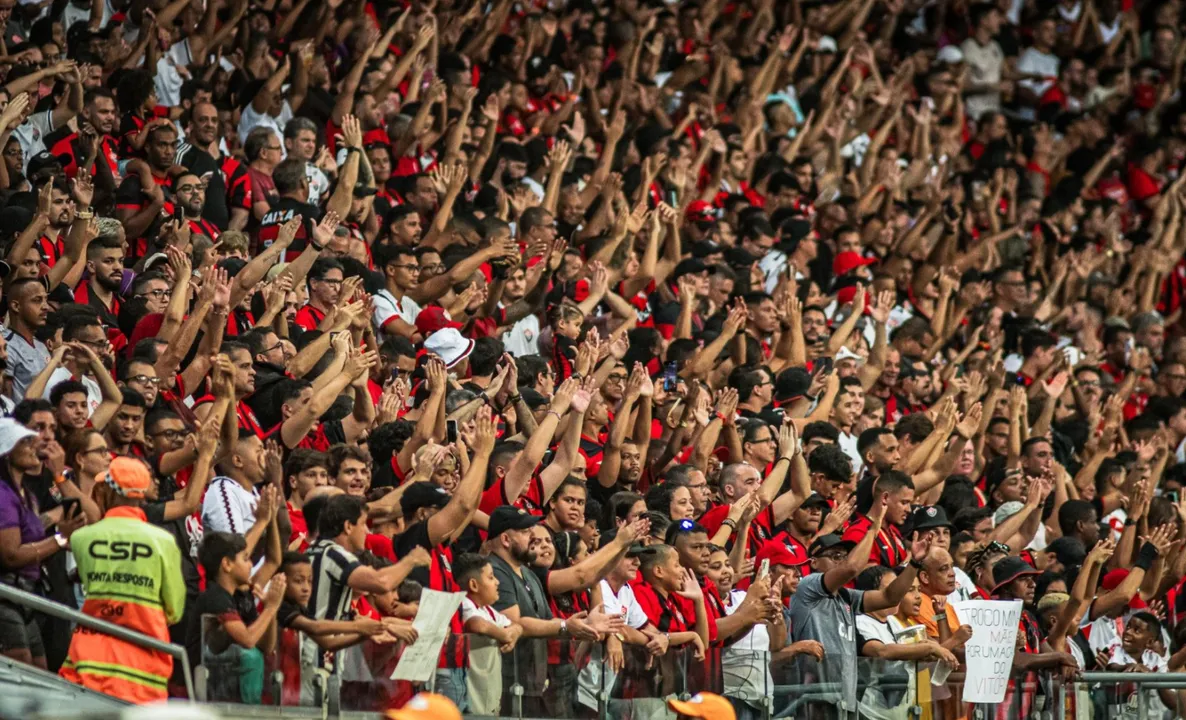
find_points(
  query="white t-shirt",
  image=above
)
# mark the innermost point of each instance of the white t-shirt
(984, 68)
(387, 308)
(1036, 62)
(169, 79)
(590, 682)
(848, 443)
(228, 507)
(94, 394)
(470, 610)
(523, 337)
(250, 119)
(31, 134)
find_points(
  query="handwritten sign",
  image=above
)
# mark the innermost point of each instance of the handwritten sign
(989, 652)
(419, 660)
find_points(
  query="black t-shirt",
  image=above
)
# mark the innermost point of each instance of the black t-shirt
(178, 528)
(220, 604)
(414, 537)
(288, 613)
(283, 210)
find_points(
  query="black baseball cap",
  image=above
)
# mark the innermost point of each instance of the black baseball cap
(506, 517)
(423, 494)
(815, 500)
(928, 518)
(1009, 569)
(827, 542)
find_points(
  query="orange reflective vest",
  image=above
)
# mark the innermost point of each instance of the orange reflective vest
(131, 575)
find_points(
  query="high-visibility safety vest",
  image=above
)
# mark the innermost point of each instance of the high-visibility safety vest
(131, 574)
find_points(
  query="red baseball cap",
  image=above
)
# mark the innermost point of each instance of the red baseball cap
(779, 554)
(434, 318)
(846, 262)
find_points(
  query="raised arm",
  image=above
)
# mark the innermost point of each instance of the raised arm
(451, 520)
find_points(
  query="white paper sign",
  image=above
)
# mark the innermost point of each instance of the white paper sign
(419, 660)
(989, 652)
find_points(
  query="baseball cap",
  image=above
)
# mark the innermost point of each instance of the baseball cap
(43, 160)
(927, 518)
(827, 542)
(699, 211)
(815, 500)
(129, 477)
(362, 190)
(950, 54)
(1112, 580)
(506, 517)
(423, 494)
(449, 346)
(1009, 569)
(846, 262)
(708, 706)
(11, 433)
(434, 318)
(426, 706)
(779, 554)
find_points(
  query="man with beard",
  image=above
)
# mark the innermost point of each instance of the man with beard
(141, 198)
(28, 309)
(896, 490)
(815, 330)
(125, 427)
(98, 122)
(228, 187)
(83, 355)
(51, 245)
(629, 472)
(522, 598)
(189, 193)
(141, 376)
(105, 271)
(915, 385)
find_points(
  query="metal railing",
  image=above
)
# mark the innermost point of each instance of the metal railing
(49, 607)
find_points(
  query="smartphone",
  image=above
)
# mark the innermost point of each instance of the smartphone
(451, 431)
(669, 377)
(764, 568)
(823, 365)
(70, 507)
(178, 212)
(1172, 496)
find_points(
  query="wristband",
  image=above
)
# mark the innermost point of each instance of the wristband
(916, 564)
(1146, 556)
(553, 412)
(729, 523)
(515, 398)
(1129, 522)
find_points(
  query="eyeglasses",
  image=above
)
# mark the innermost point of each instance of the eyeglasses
(409, 268)
(161, 293)
(104, 449)
(96, 344)
(189, 188)
(145, 380)
(616, 377)
(274, 347)
(432, 267)
(171, 434)
(328, 281)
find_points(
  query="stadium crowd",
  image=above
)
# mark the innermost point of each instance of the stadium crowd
(653, 328)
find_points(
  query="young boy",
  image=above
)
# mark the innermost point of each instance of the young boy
(1135, 653)
(474, 575)
(230, 636)
(566, 321)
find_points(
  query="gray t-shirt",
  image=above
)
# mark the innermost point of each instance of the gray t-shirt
(525, 590)
(829, 619)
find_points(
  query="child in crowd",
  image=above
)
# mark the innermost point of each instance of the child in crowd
(475, 577)
(231, 635)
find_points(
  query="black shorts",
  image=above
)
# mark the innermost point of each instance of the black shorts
(19, 630)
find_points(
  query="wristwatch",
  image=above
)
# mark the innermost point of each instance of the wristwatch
(563, 626)
(61, 540)
(916, 564)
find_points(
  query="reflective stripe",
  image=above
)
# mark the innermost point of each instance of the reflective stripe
(119, 671)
